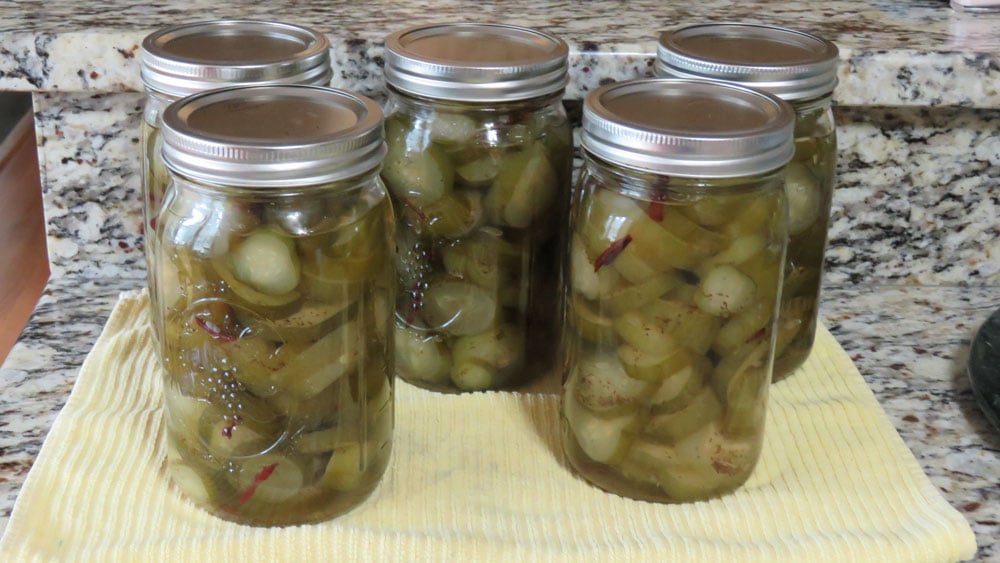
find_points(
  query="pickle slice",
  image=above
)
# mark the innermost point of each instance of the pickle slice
(678, 389)
(473, 377)
(476, 259)
(739, 329)
(804, 202)
(454, 215)
(607, 218)
(525, 187)
(223, 436)
(583, 277)
(480, 172)
(661, 249)
(604, 387)
(452, 128)
(249, 294)
(345, 468)
(749, 356)
(269, 478)
(643, 332)
(190, 480)
(311, 321)
(319, 441)
(633, 268)
(745, 401)
(589, 324)
(652, 366)
(635, 297)
(267, 262)
(321, 363)
(672, 427)
(689, 325)
(743, 248)
(417, 175)
(182, 413)
(480, 359)
(419, 357)
(602, 439)
(458, 308)
(725, 291)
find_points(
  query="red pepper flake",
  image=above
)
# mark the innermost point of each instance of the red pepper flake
(213, 330)
(612, 252)
(413, 207)
(655, 211)
(655, 208)
(228, 430)
(758, 335)
(257, 480)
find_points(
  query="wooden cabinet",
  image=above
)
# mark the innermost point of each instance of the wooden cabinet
(24, 265)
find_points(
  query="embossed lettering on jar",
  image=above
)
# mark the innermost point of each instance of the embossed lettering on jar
(185, 59)
(802, 70)
(678, 233)
(479, 165)
(275, 285)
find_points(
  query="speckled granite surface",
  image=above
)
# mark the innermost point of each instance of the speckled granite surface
(910, 343)
(917, 191)
(894, 53)
(916, 203)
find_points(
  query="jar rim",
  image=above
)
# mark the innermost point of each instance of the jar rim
(476, 62)
(682, 127)
(273, 136)
(242, 52)
(791, 64)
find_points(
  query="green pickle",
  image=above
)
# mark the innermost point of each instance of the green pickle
(678, 235)
(480, 196)
(809, 184)
(800, 69)
(278, 395)
(667, 340)
(172, 70)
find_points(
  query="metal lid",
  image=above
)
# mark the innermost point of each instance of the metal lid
(694, 128)
(273, 136)
(789, 64)
(472, 62)
(190, 58)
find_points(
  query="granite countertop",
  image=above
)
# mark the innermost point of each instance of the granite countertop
(915, 202)
(915, 51)
(909, 342)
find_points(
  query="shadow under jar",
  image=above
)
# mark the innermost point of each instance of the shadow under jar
(275, 287)
(802, 70)
(186, 59)
(678, 234)
(479, 165)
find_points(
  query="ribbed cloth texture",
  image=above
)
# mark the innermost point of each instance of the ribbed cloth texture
(481, 477)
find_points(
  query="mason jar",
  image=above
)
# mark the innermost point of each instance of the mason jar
(275, 280)
(677, 241)
(479, 164)
(185, 59)
(801, 69)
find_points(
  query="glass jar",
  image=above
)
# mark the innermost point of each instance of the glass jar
(678, 234)
(241, 53)
(479, 166)
(275, 280)
(802, 70)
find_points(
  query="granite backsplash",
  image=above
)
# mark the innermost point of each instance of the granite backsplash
(916, 194)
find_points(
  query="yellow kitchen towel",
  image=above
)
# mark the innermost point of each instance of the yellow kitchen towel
(480, 477)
